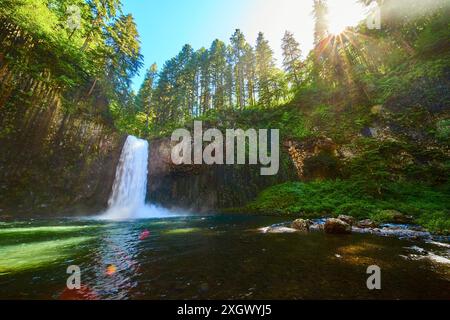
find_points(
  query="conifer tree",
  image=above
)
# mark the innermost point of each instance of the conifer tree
(292, 57)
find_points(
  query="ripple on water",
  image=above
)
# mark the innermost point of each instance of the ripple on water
(118, 263)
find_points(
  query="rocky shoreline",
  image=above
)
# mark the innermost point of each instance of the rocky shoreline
(345, 225)
(348, 225)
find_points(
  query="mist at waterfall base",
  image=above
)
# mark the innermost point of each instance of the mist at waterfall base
(127, 200)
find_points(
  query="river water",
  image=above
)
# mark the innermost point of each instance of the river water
(208, 257)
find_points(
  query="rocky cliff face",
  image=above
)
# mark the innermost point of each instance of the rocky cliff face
(52, 163)
(314, 158)
(203, 188)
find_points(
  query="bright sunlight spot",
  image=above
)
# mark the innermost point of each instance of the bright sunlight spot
(343, 14)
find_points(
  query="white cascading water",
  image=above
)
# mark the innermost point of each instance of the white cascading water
(127, 200)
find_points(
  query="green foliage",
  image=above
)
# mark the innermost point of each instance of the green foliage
(429, 207)
(221, 79)
(95, 61)
(436, 221)
(385, 216)
(443, 130)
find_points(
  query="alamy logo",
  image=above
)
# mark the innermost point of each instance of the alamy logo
(373, 20)
(374, 281)
(235, 147)
(74, 280)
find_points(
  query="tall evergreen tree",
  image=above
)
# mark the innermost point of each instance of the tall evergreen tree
(292, 57)
(185, 77)
(265, 66)
(125, 58)
(205, 81)
(229, 79)
(249, 65)
(144, 99)
(218, 69)
(238, 44)
(101, 13)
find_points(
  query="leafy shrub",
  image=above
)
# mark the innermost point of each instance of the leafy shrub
(429, 207)
(436, 221)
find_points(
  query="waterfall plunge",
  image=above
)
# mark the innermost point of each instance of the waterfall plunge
(127, 200)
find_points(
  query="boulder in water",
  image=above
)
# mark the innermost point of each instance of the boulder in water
(336, 226)
(347, 219)
(367, 224)
(301, 225)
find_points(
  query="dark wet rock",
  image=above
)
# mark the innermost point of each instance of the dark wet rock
(77, 177)
(367, 224)
(418, 253)
(347, 219)
(205, 188)
(317, 227)
(301, 225)
(315, 158)
(434, 242)
(336, 226)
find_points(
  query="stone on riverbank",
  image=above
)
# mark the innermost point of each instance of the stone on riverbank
(301, 225)
(347, 219)
(366, 224)
(336, 226)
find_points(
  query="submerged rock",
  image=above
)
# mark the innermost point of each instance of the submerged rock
(420, 253)
(439, 244)
(337, 226)
(301, 225)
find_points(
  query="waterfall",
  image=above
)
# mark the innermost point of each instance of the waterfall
(127, 200)
(130, 184)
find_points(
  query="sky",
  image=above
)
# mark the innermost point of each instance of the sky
(166, 25)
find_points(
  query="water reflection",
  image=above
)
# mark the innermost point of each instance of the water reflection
(216, 257)
(118, 267)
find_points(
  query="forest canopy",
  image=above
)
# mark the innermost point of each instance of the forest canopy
(358, 65)
(75, 49)
(98, 59)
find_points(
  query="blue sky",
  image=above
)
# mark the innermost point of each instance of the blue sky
(166, 25)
